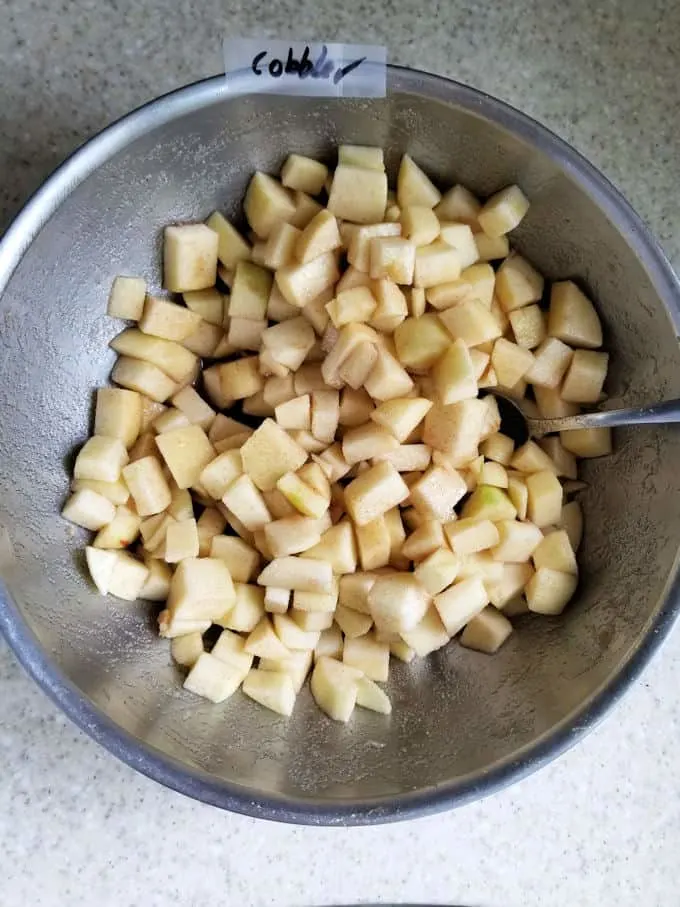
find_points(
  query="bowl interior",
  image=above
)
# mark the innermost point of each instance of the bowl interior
(458, 715)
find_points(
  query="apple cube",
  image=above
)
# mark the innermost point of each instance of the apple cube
(438, 570)
(126, 299)
(388, 379)
(168, 628)
(456, 429)
(247, 610)
(459, 204)
(428, 635)
(189, 257)
(297, 573)
(467, 536)
(352, 623)
(334, 688)
(528, 326)
(472, 322)
(401, 415)
(424, 541)
(510, 362)
(276, 601)
(454, 376)
(213, 679)
(245, 501)
(181, 541)
(186, 451)
(242, 559)
(120, 532)
(420, 342)
(357, 304)
(487, 631)
(397, 602)
(491, 248)
(419, 224)
(321, 235)
(414, 187)
(231, 246)
(545, 498)
(201, 589)
(374, 492)
(548, 591)
(437, 493)
(358, 194)
(118, 414)
(458, 604)
(88, 509)
(551, 361)
(128, 577)
(518, 283)
(503, 211)
(490, 503)
(585, 377)
(266, 204)
(171, 358)
(516, 541)
(572, 317)
(373, 544)
(337, 546)
(587, 442)
(116, 492)
(162, 318)
(186, 650)
(148, 486)
(555, 551)
(367, 655)
(435, 264)
(304, 174)
(292, 535)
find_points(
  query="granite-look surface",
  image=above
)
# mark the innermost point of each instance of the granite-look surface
(601, 826)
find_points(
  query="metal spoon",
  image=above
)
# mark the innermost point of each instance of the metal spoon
(667, 413)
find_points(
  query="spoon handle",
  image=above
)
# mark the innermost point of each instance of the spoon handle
(666, 412)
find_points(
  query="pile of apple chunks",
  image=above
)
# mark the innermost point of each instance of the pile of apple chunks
(377, 510)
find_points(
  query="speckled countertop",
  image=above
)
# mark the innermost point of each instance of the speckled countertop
(600, 826)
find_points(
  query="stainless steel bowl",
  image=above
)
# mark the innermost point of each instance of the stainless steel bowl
(463, 723)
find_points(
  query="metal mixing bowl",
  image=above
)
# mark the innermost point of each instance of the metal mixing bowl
(463, 723)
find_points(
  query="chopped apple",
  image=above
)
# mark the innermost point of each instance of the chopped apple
(392, 257)
(388, 379)
(472, 322)
(420, 342)
(321, 235)
(116, 492)
(289, 342)
(585, 377)
(509, 584)
(435, 264)
(458, 604)
(487, 631)
(189, 257)
(453, 375)
(401, 415)
(358, 194)
(213, 679)
(292, 535)
(186, 650)
(241, 559)
(269, 453)
(201, 589)
(551, 361)
(171, 358)
(186, 451)
(337, 546)
(373, 544)
(459, 204)
(545, 498)
(503, 211)
(101, 563)
(491, 248)
(181, 541)
(548, 591)
(367, 655)
(528, 326)
(162, 318)
(247, 610)
(510, 362)
(467, 536)
(414, 187)
(266, 204)
(456, 429)
(437, 493)
(304, 174)
(352, 623)
(572, 317)
(460, 237)
(126, 299)
(121, 531)
(374, 492)
(424, 541)
(301, 284)
(118, 414)
(516, 541)
(101, 459)
(397, 602)
(230, 648)
(555, 551)
(587, 442)
(427, 636)
(128, 577)
(231, 246)
(334, 688)
(490, 503)
(245, 500)
(276, 601)
(498, 447)
(438, 570)
(292, 635)
(518, 283)
(297, 573)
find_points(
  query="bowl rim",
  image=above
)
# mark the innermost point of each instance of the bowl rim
(194, 782)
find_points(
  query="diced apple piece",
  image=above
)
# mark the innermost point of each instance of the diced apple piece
(245, 500)
(491, 248)
(230, 648)
(551, 405)
(304, 174)
(531, 458)
(401, 415)
(397, 602)
(305, 209)
(453, 375)
(302, 283)
(424, 541)
(373, 544)
(266, 204)
(169, 420)
(218, 475)
(354, 589)
(250, 291)
(296, 665)
(316, 602)
(371, 696)
(460, 238)
(278, 390)
(359, 249)
(311, 621)
(128, 577)
(456, 429)
(358, 194)
(213, 679)
(289, 342)
(509, 584)
(231, 246)
(126, 299)
(545, 498)
(510, 362)
(277, 307)
(467, 536)
(116, 492)
(101, 459)
(241, 559)
(487, 631)
(420, 342)
(490, 503)
(247, 610)
(414, 187)
(361, 156)
(181, 541)
(168, 628)
(276, 601)
(437, 493)
(438, 571)
(367, 441)
(293, 636)
(368, 655)
(408, 458)
(388, 379)
(585, 377)
(564, 461)
(555, 552)
(321, 235)
(209, 525)
(325, 413)
(295, 413)
(498, 447)
(374, 492)
(572, 317)
(471, 322)
(435, 264)
(269, 453)
(334, 688)
(120, 532)
(292, 535)
(548, 591)
(551, 361)
(162, 318)
(148, 486)
(419, 224)
(459, 204)
(263, 641)
(516, 541)
(302, 496)
(186, 650)
(352, 623)
(171, 358)
(186, 451)
(189, 257)
(201, 589)
(428, 635)
(528, 326)
(493, 474)
(355, 409)
(297, 573)
(588, 442)
(337, 546)
(518, 283)
(503, 211)
(101, 564)
(458, 604)
(392, 257)
(118, 414)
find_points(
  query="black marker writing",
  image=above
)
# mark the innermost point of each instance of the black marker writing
(324, 67)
